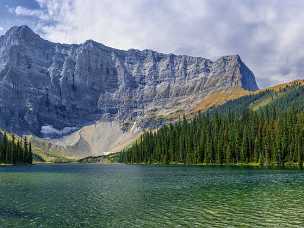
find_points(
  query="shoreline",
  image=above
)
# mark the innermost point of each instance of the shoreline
(238, 165)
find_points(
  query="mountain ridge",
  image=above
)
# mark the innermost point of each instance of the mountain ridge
(48, 88)
(26, 32)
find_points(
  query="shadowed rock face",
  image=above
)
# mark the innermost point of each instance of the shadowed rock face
(66, 86)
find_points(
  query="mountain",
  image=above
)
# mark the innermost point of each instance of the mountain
(264, 128)
(91, 99)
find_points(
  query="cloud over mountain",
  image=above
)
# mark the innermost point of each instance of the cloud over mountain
(267, 34)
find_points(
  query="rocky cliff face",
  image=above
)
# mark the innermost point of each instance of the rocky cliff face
(51, 89)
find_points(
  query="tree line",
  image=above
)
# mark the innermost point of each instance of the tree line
(231, 134)
(15, 150)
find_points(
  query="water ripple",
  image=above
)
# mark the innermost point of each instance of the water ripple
(149, 196)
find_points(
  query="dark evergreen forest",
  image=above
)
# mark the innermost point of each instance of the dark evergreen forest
(15, 151)
(266, 129)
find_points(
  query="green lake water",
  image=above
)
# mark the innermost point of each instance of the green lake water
(90, 195)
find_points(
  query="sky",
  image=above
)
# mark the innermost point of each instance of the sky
(267, 34)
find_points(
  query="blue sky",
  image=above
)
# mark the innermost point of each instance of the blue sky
(9, 19)
(268, 35)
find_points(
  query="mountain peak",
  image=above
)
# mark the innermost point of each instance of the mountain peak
(248, 79)
(22, 32)
(240, 74)
(66, 85)
(230, 58)
(23, 29)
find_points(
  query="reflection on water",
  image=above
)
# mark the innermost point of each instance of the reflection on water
(150, 196)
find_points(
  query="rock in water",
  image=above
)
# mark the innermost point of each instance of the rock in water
(45, 85)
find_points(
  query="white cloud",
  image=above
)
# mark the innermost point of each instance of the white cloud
(1, 29)
(267, 34)
(49, 131)
(21, 11)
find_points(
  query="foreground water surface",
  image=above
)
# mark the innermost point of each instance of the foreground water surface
(149, 196)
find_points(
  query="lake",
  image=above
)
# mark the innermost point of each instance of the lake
(91, 195)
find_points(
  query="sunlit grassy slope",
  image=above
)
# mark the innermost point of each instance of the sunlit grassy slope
(44, 153)
(277, 92)
(220, 97)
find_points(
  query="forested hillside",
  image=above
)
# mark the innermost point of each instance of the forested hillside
(265, 128)
(15, 150)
